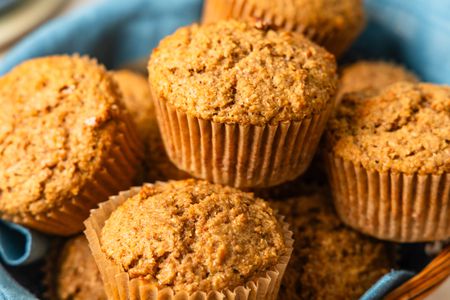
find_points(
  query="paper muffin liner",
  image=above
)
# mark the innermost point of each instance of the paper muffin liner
(216, 10)
(390, 205)
(118, 285)
(118, 172)
(237, 155)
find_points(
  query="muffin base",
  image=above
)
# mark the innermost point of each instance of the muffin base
(390, 205)
(335, 41)
(117, 173)
(242, 156)
(118, 285)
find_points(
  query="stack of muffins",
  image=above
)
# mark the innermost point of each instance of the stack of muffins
(239, 102)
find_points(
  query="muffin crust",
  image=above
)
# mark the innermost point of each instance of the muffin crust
(333, 24)
(404, 128)
(330, 260)
(59, 118)
(138, 100)
(77, 274)
(372, 75)
(193, 236)
(234, 72)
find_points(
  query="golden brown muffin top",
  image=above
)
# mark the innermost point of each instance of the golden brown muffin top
(58, 120)
(372, 75)
(77, 274)
(233, 72)
(330, 260)
(318, 17)
(194, 236)
(404, 128)
(137, 97)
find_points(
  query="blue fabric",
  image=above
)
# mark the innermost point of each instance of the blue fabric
(114, 31)
(386, 284)
(20, 246)
(415, 33)
(11, 290)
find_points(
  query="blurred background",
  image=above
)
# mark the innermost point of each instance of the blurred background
(19, 17)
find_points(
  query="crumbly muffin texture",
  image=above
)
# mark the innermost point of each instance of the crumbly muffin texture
(372, 75)
(403, 128)
(333, 24)
(137, 98)
(330, 260)
(236, 72)
(77, 275)
(193, 236)
(59, 118)
(335, 19)
(139, 102)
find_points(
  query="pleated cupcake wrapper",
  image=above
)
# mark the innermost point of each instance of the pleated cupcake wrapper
(390, 205)
(117, 173)
(239, 155)
(118, 285)
(216, 10)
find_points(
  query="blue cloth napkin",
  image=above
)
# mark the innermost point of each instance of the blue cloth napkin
(20, 246)
(11, 290)
(387, 283)
(415, 33)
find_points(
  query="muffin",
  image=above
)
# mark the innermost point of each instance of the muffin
(189, 237)
(138, 100)
(372, 75)
(330, 23)
(330, 260)
(75, 275)
(241, 105)
(388, 159)
(66, 143)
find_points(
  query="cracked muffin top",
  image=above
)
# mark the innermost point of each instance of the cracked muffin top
(58, 120)
(324, 248)
(235, 72)
(193, 236)
(404, 127)
(372, 75)
(77, 275)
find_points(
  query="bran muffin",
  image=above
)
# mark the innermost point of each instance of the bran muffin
(334, 24)
(65, 141)
(76, 276)
(330, 260)
(241, 105)
(372, 75)
(388, 161)
(138, 100)
(189, 237)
